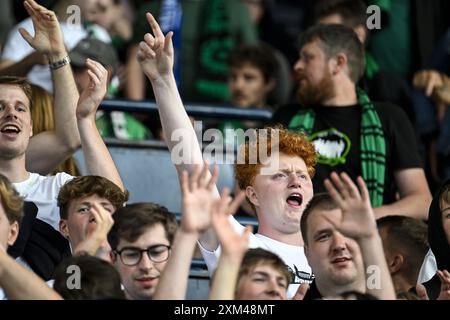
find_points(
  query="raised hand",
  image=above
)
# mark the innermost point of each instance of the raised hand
(427, 80)
(301, 292)
(97, 239)
(233, 244)
(198, 197)
(48, 38)
(155, 52)
(94, 93)
(444, 276)
(422, 292)
(358, 220)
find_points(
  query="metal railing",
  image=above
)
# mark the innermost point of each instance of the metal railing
(195, 110)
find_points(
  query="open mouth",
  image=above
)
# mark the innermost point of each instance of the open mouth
(10, 129)
(295, 200)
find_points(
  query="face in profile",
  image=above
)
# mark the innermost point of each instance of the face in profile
(15, 122)
(313, 73)
(140, 270)
(335, 259)
(263, 282)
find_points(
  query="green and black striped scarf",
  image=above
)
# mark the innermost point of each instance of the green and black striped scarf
(373, 146)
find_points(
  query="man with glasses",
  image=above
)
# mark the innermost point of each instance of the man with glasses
(141, 240)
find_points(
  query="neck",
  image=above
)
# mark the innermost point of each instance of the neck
(401, 283)
(345, 94)
(293, 239)
(14, 169)
(328, 289)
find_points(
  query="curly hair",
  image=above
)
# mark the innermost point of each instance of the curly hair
(289, 143)
(86, 186)
(10, 200)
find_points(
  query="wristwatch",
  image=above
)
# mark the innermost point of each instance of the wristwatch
(60, 63)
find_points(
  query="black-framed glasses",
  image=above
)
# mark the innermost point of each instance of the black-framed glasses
(131, 256)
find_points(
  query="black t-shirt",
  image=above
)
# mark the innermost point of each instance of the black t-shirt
(336, 136)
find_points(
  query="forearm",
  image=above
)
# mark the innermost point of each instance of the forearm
(65, 105)
(20, 283)
(89, 246)
(175, 122)
(174, 119)
(96, 155)
(225, 278)
(20, 68)
(135, 84)
(174, 280)
(378, 278)
(414, 206)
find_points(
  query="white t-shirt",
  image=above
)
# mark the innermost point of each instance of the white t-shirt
(16, 48)
(428, 269)
(293, 256)
(43, 192)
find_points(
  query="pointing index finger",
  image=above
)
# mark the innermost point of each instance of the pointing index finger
(154, 24)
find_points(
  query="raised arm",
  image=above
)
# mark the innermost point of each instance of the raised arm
(156, 56)
(96, 243)
(50, 148)
(233, 244)
(19, 283)
(358, 222)
(197, 191)
(96, 155)
(415, 196)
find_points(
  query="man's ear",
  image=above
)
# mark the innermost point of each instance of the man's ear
(64, 228)
(31, 128)
(361, 32)
(270, 85)
(338, 64)
(13, 233)
(113, 256)
(252, 196)
(396, 264)
(306, 249)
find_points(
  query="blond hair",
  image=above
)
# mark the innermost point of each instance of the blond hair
(44, 120)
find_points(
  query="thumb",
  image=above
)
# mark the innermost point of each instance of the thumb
(421, 292)
(26, 36)
(301, 291)
(168, 45)
(430, 87)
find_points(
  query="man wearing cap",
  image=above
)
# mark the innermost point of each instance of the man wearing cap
(114, 124)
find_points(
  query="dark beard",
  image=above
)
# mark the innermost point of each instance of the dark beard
(310, 95)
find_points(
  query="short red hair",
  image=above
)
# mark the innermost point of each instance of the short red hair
(290, 143)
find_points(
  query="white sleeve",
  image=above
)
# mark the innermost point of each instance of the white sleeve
(212, 257)
(16, 48)
(62, 178)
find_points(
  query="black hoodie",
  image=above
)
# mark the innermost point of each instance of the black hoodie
(438, 243)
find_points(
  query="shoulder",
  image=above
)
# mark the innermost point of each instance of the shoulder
(284, 114)
(56, 181)
(387, 110)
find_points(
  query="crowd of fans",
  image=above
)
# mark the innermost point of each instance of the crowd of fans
(356, 147)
